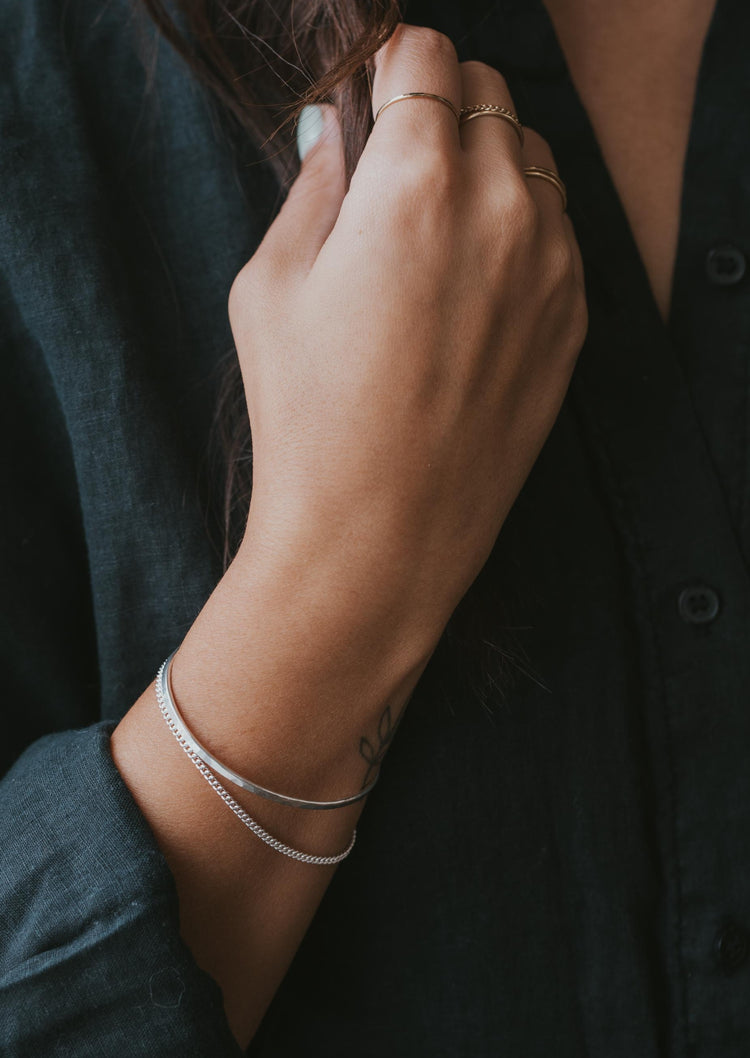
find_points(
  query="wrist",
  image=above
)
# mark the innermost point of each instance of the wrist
(346, 580)
(288, 669)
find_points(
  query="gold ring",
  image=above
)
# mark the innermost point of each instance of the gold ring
(417, 95)
(491, 110)
(551, 176)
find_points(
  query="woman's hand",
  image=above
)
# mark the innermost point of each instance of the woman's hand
(406, 345)
(405, 349)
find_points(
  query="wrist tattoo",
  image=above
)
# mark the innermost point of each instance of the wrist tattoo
(373, 750)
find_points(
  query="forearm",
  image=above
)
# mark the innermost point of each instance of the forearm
(399, 395)
(285, 671)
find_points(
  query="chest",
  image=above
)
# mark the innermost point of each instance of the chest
(635, 67)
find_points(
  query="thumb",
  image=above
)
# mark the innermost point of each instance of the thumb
(312, 206)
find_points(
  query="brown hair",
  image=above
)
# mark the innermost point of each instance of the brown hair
(265, 60)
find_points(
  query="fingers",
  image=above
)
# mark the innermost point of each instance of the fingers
(547, 197)
(493, 141)
(536, 152)
(416, 60)
(494, 150)
(294, 240)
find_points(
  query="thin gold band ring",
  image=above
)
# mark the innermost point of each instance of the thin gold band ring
(491, 110)
(551, 177)
(417, 95)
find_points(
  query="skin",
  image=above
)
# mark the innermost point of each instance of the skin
(639, 101)
(405, 350)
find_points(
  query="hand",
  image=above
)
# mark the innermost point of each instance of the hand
(406, 345)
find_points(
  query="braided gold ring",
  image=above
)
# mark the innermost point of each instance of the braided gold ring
(491, 110)
(417, 95)
(551, 177)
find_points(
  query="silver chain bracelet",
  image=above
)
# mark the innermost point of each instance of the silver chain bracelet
(167, 709)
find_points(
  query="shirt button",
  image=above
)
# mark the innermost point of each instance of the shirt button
(732, 947)
(698, 604)
(725, 265)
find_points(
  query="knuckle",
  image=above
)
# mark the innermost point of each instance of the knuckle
(537, 148)
(247, 283)
(560, 260)
(442, 177)
(579, 320)
(430, 176)
(237, 291)
(516, 200)
(431, 44)
(573, 311)
(482, 73)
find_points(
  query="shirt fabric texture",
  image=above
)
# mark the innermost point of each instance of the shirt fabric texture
(564, 871)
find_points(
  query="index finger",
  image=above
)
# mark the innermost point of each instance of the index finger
(416, 59)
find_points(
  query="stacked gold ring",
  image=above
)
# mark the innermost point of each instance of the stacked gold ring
(486, 110)
(491, 110)
(551, 177)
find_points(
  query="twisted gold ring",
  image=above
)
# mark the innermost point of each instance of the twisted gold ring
(417, 95)
(491, 110)
(551, 176)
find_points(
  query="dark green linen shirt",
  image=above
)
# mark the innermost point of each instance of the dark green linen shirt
(562, 870)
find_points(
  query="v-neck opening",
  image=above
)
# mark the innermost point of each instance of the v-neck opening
(631, 375)
(549, 32)
(631, 364)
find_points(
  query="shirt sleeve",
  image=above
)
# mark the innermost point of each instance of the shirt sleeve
(91, 959)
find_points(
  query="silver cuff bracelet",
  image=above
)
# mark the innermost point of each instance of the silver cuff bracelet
(172, 713)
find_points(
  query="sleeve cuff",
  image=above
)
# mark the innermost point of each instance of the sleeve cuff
(91, 958)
